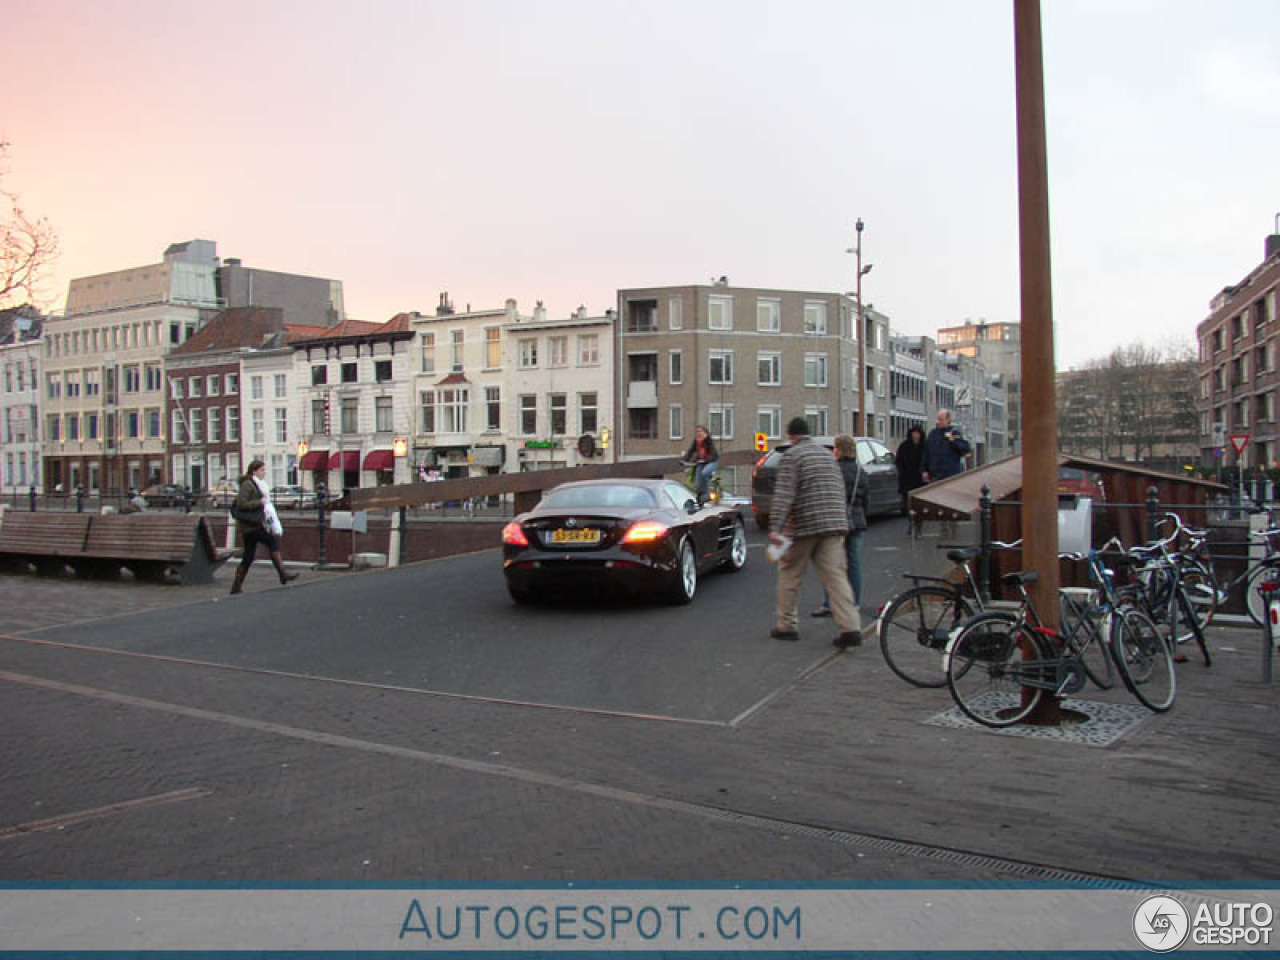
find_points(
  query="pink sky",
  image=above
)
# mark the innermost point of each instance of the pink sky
(560, 150)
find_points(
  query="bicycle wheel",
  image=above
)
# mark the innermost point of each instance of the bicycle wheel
(1081, 628)
(1253, 598)
(1143, 659)
(1202, 592)
(987, 662)
(914, 629)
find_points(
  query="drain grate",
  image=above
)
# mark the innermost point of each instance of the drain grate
(1105, 724)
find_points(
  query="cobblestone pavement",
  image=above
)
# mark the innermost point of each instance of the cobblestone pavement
(125, 759)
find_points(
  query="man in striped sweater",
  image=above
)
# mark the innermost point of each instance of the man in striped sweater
(809, 507)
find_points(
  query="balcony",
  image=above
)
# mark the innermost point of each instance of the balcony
(642, 394)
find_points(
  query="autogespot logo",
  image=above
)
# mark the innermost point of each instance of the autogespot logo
(1161, 924)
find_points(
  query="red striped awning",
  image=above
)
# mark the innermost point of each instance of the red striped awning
(315, 460)
(345, 460)
(380, 460)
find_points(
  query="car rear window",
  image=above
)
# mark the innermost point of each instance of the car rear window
(600, 495)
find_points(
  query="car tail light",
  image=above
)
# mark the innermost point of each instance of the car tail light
(759, 464)
(645, 531)
(513, 534)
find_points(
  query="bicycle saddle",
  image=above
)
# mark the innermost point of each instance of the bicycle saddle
(963, 554)
(1020, 577)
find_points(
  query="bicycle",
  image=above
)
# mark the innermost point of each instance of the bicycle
(916, 624)
(715, 492)
(1000, 666)
(1159, 587)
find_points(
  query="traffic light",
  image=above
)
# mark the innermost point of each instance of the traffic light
(762, 442)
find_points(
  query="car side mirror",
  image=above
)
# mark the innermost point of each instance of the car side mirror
(691, 506)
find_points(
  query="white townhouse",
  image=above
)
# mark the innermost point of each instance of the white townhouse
(20, 345)
(353, 404)
(560, 382)
(460, 385)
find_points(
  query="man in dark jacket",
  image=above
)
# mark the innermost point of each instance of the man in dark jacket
(809, 507)
(944, 450)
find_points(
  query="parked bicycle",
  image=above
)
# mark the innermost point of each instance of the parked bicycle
(1164, 583)
(916, 624)
(1000, 666)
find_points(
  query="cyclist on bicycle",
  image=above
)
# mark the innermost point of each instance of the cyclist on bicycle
(704, 458)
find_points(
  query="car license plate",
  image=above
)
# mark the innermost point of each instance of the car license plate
(587, 535)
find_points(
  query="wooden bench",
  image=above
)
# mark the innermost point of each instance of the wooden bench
(151, 546)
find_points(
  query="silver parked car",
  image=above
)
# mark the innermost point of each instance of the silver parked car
(875, 457)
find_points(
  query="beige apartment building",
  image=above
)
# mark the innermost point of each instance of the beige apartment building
(741, 361)
(998, 346)
(103, 395)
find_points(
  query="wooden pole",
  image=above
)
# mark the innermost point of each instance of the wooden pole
(1039, 404)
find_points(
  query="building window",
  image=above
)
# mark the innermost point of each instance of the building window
(257, 425)
(559, 410)
(132, 379)
(721, 366)
(319, 416)
(55, 385)
(195, 421)
(720, 420)
(453, 410)
(588, 350)
(588, 412)
(212, 384)
(558, 351)
(529, 352)
(91, 426)
(215, 425)
(492, 348)
(642, 423)
(232, 384)
(675, 313)
(769, 422)
(769, 316)
(675, 422)
(457, 343)
(177, 429)
(153, 423)
(73, 385)
(815, 370)
(233, 424)
(769, 369)
(319, 377)
(428, 353)
(53, 427)
(255, 385)
(282, 385)
(350, 372)
(282, 424)
(817, 420)
(675, 367)
(382, 414)
(382, 371)
(428, 407)
(720, 313)
(195, 386)
(493, 408)
(350, 415)
(815, 317)
(528, 414)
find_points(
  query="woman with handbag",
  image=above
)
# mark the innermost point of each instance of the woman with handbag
(857, 495)
(258, 523)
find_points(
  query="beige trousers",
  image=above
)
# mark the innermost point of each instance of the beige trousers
(828, 555)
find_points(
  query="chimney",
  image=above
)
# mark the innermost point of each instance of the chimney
(539, 313)
(444, 308)
(512, 315)
(1272, 246)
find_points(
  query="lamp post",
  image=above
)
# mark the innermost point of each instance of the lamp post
(861, 332)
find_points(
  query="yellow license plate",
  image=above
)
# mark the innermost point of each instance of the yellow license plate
(589, 535)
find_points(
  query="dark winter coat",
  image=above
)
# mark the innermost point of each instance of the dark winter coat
(908, 458)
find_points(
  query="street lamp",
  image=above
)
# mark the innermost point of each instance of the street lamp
(861, 332)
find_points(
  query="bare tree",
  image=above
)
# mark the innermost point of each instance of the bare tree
(27, 247)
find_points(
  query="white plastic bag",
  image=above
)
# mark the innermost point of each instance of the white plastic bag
(777, 550)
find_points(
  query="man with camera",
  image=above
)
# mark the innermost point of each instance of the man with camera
(944, 450)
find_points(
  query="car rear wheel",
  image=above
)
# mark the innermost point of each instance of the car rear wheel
(684, 579)
(737, 549)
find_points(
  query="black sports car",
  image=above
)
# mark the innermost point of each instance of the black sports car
(632, 534)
